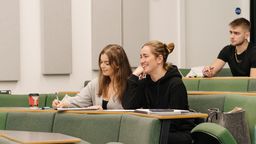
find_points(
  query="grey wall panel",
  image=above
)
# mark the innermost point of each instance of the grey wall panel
(56, 36)
(207, 28)
(106, 26)
(135, 28)
(9, 40)
(124, 22)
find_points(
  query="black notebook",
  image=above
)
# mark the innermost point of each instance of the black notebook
(161, 111)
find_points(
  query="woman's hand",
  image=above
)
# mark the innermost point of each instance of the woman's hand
(98, 107)
(139, 71)
(58, 104)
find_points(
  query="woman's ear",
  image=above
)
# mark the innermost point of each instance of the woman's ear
(160, 59)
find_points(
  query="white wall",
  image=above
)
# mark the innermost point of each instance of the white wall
(165, 25)
(167, 19)
(207, 30)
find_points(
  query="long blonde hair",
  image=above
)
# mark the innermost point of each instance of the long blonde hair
(122, 70)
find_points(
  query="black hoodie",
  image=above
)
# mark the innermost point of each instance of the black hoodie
(168, 92)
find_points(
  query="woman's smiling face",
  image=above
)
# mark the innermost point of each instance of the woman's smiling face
(148, 60)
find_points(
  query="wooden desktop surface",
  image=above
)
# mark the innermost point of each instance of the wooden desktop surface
(165, 119)
(175, 116)
(220, 92)
(222, 78)
(28, 137)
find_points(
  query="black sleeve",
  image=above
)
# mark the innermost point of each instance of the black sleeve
(134, 94)
(253, 57)
(224, 53)
(179, 98)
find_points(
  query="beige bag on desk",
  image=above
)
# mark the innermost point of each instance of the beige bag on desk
(234, 121)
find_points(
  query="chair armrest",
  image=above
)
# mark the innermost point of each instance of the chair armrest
(216, 131)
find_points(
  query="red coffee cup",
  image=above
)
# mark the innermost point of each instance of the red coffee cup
(33, 99)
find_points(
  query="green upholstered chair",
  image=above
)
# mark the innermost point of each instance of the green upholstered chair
(139, 130)
(248, 104)
(109, 128)
(184, 71)
(30, 121)
(3, 116)
(20, 100)
(51, 97)
(95, 129)
(191, 84)
(252, 85)
(240, 85)
(226, 103)
(201, 103)
(211, 133)
(225, 72)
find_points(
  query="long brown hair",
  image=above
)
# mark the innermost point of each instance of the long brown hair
(159, 48)
(122, 70)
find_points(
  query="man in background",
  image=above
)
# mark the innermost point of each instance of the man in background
(240, 54)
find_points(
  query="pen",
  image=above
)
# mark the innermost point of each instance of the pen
(57, 98)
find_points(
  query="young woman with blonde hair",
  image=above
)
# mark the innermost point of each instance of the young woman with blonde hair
(155, 84)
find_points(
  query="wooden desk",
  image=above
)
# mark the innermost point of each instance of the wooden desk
(28, 137)
(220, 92)
(165, 119)
(222, 78)
(24, 109)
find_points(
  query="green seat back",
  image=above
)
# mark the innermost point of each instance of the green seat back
(201, 103)
(21, 100)
(95, 129)
(225, 72)
(42, 100)
(240, 85)
(139, 130)
(248, 104)
(191, 84)
(216, 131)
(3, 116)
(51, 97)
(184, 71)
(252, 85)
(30, 121)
